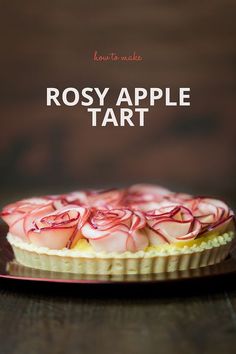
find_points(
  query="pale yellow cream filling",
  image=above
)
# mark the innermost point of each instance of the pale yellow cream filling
(84, 249)
(83, 244)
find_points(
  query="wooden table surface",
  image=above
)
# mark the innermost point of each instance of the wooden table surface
(181, 318)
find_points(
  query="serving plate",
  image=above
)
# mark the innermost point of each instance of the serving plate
(10, 269)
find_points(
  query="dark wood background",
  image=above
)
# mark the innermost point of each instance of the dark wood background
(49, 149)
(50, 43)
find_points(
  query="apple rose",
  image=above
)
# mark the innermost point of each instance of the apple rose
(173, 200)
(210, 212)
(76, 198)
(59, 229)
(145, 196)
(20, 215)
(179, 198)
(171, 224)
(108, 199)
(116, 230)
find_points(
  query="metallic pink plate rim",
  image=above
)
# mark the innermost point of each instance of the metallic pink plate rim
(9, 269)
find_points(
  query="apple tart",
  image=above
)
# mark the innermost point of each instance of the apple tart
(141, 229)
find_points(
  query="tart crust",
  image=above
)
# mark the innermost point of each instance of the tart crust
(206, 251)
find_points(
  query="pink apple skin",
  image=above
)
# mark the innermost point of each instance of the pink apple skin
(117, 230)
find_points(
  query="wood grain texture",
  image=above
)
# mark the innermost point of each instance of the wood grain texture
(184, 44)
(55, 319)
